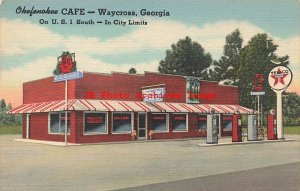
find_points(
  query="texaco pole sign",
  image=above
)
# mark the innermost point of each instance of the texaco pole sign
(280, 77)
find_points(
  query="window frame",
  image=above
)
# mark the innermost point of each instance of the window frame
(223, 121)
(122, 132)
(95, 133)
(49, 123)
(167, 123)
(186, 122)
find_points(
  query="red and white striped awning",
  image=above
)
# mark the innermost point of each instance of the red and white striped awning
(179, 107)
(123, 106)
(113, 105)
(84, 105)
(200, 108)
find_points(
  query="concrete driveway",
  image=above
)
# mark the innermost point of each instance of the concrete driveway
(28, 166)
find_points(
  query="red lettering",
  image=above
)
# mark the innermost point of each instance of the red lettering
(202, 118)
(89, 95)
(121, 118)
(179, 118)
(109, 95)
(93, 120)
(139, 95)
(158, 118)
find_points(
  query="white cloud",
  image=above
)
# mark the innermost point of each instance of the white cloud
(43, 67)
(18, 37)
(291, 47)
(96, 65)
(161, 34)
(40, 68)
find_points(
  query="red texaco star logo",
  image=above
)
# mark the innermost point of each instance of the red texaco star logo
(279, 76)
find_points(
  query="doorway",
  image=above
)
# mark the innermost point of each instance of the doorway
(142, 126)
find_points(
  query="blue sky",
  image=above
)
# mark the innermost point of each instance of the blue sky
(28, 50)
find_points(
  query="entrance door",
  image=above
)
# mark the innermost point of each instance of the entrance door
(142, 126)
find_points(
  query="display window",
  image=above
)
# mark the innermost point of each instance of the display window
(95, 123)
(202, 122)
(227, 123)
(57, 123)
(159, 122)
(179, 122)
(122, 122)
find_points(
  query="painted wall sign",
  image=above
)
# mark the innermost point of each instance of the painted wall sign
(94, 119)
(159, 117)
(121, 117)
(280, 77)
(179, 117)
(192, 88)
(154, 94)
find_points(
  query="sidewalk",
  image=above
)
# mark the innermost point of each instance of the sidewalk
(221, 142)
(62, 144)
(228, 141)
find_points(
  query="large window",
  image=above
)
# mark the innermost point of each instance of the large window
(202, 122)
(227, 123)
(159, 122)
(179, 122)
(122, 122)
(95, 123)
(57, 123)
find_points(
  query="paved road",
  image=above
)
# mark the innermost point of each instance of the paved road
(28, 166)
(282, 178)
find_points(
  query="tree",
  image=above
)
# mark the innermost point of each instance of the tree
(226, 68)
(255, 58)
(3, 106)
(185, 58)
(291, 107)
(132, 71)
(8, 119)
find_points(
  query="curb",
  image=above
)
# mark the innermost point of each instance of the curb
(53, 143)
(245, 143)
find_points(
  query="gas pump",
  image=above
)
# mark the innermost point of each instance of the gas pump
(272, 126)
(237, 128)
(252, 128)
(212, 129)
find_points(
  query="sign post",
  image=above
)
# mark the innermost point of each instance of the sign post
(66, 77)
(280, 77)
(258, 91)
(66, 70)
(66, 114)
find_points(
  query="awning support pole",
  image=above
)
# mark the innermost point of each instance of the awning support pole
(66, 114)
(258, 120)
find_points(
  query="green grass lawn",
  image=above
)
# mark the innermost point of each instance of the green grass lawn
(10, 129)
(17, 129)
(292, 130)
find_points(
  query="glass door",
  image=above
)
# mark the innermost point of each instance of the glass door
(142, 126)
